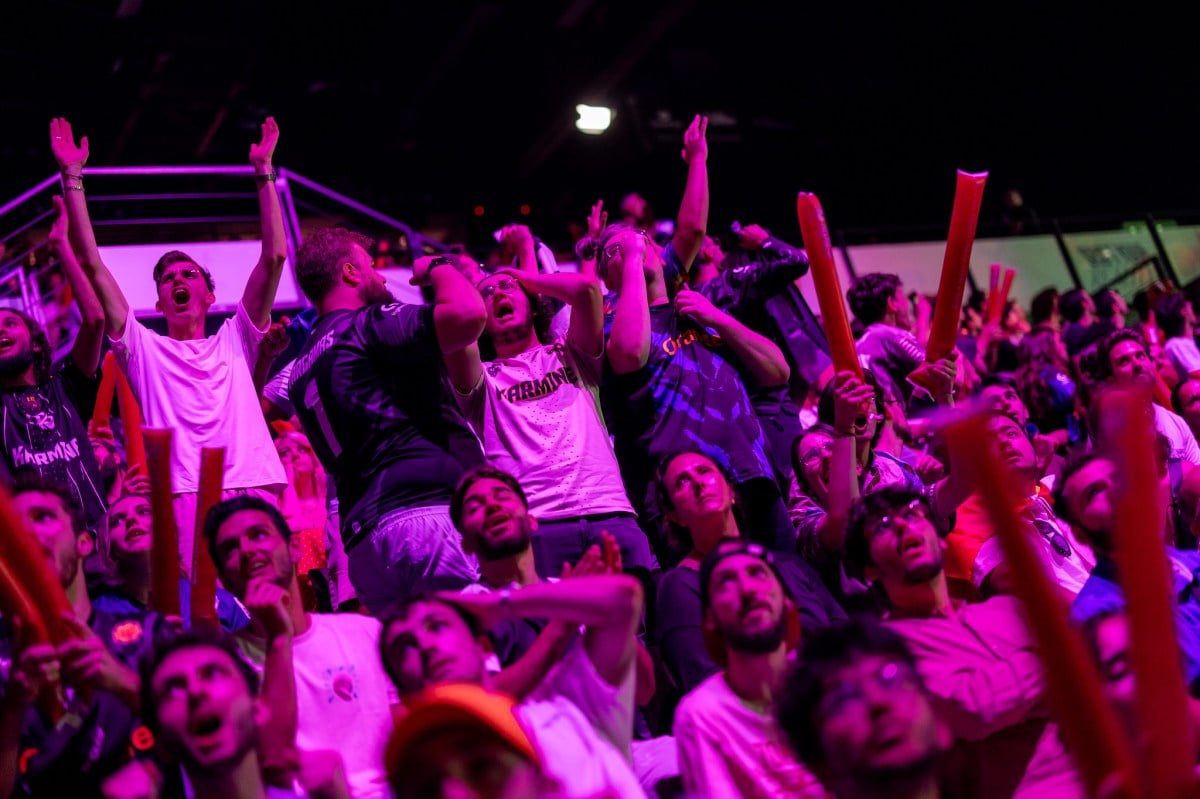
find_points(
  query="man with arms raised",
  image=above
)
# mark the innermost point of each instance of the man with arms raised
(200, 387)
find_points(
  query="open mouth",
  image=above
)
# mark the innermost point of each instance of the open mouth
(5, 343)
(503, 310)
(205, 725)
(494, 521)
(255, 568)
(181, 295)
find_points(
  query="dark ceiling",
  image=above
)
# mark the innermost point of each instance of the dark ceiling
(426, 110)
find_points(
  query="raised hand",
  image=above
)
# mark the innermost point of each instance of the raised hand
(695, 145)
(592, 563)
(612, 553)
(262, 153)
(852, 400)
(597, 219)
(516, 237)
(752, 237)
(58, 229)
(276, 339)
(32, 670)
(70, 157)
(268, 607)
(695, 306)
(136, 481)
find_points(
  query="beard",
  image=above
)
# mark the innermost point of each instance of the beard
(759, 642)
(505, 547)
(16, 363)
(925, 572)
(514, 334)
(375, 293)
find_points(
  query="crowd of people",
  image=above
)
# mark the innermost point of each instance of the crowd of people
(614, 531)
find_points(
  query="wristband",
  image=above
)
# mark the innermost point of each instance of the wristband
(268, 177)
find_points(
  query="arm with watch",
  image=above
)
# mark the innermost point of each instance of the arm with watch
(259, 294)
(459, 314)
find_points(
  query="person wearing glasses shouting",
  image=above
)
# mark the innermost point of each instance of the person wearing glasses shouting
(978, 660)
(536, 407)
(199, 386)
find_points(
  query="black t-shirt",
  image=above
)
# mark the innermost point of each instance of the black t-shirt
(44, 431)
(689, 394)
(369, 389)
(97, 734)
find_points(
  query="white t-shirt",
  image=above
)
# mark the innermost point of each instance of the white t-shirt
(583, 726)
(204, 390)
(538, 417)
(1184, 355)
(1183, 443)
(728, 747)
(343, 696)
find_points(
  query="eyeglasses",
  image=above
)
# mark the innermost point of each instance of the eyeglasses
(613, 249)
(844, 696)
(910, 513)
(505, 284)
(1057, 540)
(815, 453)
(187, 273)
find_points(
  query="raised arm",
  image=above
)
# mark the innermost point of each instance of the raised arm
(761, 357)
(90, 340)
(692, 223)
(259, 295)
(609, 606)
(628, 347)
(596, 221)
(579, 291)
(71, 158)
(519, 239)
(459, 314)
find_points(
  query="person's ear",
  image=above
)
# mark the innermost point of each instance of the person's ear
(295, 549)
(351, 275)
(158, 306)
(84, 545)
(210, 298)
(533, 523)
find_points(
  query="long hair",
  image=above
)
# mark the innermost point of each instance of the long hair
(1037, 353)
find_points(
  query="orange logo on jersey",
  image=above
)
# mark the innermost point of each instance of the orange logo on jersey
(127, 632)
(142, 739)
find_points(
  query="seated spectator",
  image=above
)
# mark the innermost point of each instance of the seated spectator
(728, 742)
(975, 561)
(581, 716)
(698, 502)
(857, 713)
(124, 546)
(840, 459)
(304, 507)
(41, 757)
(321, 673)
(978, 660)
(463, 740)
(1185, 400)
(1177, 318)
(1122, 359)
(1085, 498)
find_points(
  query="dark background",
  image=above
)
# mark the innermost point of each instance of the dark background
(427, 110)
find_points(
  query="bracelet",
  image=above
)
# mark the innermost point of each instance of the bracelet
(75, 188)
(268, 177)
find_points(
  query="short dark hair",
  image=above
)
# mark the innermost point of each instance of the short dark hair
(1071, 304)
(827, 651)
(868, 297)
(473, 476)
(1041, 307)
(1168, 313)
(681, 535)
(858, 548)
(1177, 395)
(993, 380)
(1108, 344)
(1105, 301)
(195, 638)
(221, 512)
(29, 481)
(39, 344)
(319, 261)
(179, 257)
(1070, 468)
(399, 610)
